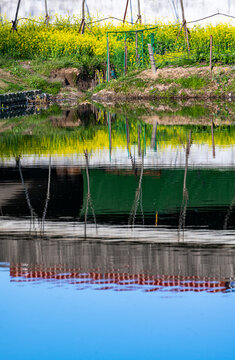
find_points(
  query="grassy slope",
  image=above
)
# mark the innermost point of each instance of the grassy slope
(201, 84)
(18, 75)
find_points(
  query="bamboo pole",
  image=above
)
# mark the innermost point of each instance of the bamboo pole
(127, 134)
(82, 25)
(184, 24)
(124, 17)
(14, 22)
(136, 48)
(139, 14)
(139, 142)
(142, 39)
(154, 136)
(125, 56)
(108, 60)
(152, 61)
(138, 197)
(212, 137)
(184, 204)
(88, 200)
(228, 214)
(211, 44)
(83, 10)
(88, 193)
(127, 137)
(47, 196)
(33, 214)
(46, 13)
(110, 135)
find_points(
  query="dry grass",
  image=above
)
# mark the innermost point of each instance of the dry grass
(184, 72)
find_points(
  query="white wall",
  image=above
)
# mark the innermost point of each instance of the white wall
(152, 10)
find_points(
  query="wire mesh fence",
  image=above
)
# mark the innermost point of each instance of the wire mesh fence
(210, 44)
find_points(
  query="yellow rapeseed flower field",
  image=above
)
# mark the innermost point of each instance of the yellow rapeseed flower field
(62, 38)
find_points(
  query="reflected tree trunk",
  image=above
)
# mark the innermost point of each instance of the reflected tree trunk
(212, 138)
(47, 195)
(139, 141)
(184, 204)
(88, 201)
(110, 135)
(154, 136)
(138, 198)
(127, 136)
(226, 220)
(33, 214)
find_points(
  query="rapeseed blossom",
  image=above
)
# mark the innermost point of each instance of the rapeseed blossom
(34, 39)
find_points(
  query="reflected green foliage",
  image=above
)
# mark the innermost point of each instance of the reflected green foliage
(56, 131)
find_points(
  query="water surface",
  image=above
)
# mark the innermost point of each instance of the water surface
(117, 235)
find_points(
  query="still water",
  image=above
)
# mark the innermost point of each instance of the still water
(117, 237)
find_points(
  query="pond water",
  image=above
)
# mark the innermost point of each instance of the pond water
(117, 234)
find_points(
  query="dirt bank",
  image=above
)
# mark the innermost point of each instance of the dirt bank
(70, 84)
(176, 83)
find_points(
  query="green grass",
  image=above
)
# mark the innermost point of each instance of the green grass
(192, 82)
(11, 87)
(35, 82)
(25, 78)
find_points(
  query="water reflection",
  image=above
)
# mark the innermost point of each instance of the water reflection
(175, 198)
(120, 266)
(100, 174)
(138, 209)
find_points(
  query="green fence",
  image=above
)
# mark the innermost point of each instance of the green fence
(129, 49)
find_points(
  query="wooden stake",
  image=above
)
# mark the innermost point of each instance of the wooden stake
(124, 18)
(211, 44)
(136, 48)
(125, 56)
(152, 61)
(108, 60)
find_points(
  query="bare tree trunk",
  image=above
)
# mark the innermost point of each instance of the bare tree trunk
(14, 22)
(211, 44)
(139, 14)
(184, 204)
(46, 13)
(82, 25)
(138, 197)
(47, 196)
(124, 17)
(184, 24)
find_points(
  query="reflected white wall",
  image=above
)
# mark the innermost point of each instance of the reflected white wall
(152, 10)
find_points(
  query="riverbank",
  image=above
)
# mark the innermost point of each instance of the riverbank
(170, 83)
(66, 81)
(61, 61)
(61, 78)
